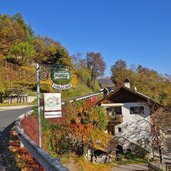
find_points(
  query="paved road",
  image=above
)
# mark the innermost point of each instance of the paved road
(7, 117)
(131, 167)
(9, 114)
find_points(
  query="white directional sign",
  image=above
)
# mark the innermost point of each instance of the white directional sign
(52, 105)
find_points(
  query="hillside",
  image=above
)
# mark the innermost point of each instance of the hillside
(16, 79)
(21, 49)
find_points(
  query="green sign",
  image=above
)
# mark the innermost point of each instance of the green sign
(60, 75)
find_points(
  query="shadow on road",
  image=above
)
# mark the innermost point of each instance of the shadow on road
(7, 159)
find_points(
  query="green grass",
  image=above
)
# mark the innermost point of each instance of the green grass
(34, 102)
(123, 162)
(81, 90)
(130, 158)
(31, 93)
(80, 163)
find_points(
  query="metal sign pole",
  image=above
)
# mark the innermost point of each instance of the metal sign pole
(38, 104)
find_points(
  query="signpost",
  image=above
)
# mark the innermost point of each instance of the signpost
(38, 104)
(52, 101)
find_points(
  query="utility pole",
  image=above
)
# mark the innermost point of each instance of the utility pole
(38, 104)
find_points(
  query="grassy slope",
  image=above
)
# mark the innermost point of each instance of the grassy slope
(81, 90)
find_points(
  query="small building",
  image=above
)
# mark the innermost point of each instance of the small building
(129, 114)
(106, 82)
(106, 85)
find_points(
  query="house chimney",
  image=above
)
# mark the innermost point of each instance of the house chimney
(135, 88)
(127, 83)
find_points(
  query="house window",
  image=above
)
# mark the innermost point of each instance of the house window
(137, 110)
(117, 110)
(119, 129)
(112, 111)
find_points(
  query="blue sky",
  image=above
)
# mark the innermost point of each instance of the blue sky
(137, 31)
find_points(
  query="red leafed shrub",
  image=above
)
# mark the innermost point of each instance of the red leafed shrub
(30, 126)
(61, 120)
(94, 100)
(24, 159)
(90, 102)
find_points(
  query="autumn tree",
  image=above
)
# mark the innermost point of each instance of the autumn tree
(82, 70)
(51, 52)
(119, 72)
(96, 65)
(154, 129)
(17, 38)
(13, 30)
(88, 129)
(82, 128)
(19, 46)
(21, 54)
(146, 81)
(159, 125)
(156, 86)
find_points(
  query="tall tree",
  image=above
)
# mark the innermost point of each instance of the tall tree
(82, 71)
(147, 81)
(50, 51)
(13, 30)
(119, 72)
(21, 54)
(96, 65)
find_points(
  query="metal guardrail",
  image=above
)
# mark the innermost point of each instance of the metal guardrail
(88, 96)
(49, 163)
(83, 97)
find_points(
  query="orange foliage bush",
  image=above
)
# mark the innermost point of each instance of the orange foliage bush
(25, 161)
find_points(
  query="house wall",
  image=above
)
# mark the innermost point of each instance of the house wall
(135, 128)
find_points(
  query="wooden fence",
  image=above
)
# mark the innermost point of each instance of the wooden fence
(14, 99)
